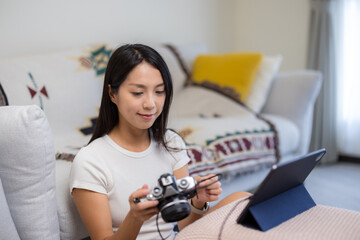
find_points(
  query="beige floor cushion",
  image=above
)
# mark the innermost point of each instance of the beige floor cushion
(319, 222)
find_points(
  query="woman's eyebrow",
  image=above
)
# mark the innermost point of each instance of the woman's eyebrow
(143, 86)
(137, 85)
(160, 85)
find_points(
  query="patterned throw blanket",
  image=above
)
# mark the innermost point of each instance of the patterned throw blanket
(239, 153)
(221, 145)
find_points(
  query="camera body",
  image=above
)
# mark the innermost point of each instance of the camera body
(172, 195)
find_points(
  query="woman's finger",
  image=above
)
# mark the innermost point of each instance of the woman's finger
(147, 204)
(139, 193)
(214, 185)
(208, 181)
(212, 198)
(145, 214)
(216, 191)
(149, 211)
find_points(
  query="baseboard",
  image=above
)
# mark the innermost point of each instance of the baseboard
(343, 158)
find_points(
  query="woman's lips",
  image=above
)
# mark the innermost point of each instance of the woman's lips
(146, 116)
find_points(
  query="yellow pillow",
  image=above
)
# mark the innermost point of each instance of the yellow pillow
(231, 74)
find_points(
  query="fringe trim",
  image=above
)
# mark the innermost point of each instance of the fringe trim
(3, 98)
(181, 63)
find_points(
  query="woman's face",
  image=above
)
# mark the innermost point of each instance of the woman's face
(140, 98)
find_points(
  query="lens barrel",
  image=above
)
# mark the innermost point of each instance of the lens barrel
(176, 212)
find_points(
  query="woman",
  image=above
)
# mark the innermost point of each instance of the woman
(130, 147)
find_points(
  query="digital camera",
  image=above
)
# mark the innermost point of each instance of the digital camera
(172, 195)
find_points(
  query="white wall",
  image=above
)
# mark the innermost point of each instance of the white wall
(274, 26)
(271, 26)
(31, 26)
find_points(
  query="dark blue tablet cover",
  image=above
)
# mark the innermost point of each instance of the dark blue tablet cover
(282, 194)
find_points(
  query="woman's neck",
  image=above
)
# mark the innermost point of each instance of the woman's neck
(135, 141)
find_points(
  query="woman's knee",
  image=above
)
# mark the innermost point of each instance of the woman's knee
(229, 199)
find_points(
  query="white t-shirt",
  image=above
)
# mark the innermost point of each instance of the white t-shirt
(105, 167)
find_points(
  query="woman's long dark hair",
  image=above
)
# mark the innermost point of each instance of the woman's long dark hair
(120, 64)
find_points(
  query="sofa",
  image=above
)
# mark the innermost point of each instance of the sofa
(49, 105)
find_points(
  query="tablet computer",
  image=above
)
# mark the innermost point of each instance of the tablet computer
(281, 178)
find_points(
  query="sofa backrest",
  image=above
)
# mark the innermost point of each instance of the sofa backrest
(65, 85)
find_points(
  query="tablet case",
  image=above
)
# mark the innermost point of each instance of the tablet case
(276, 210)
(269, 213)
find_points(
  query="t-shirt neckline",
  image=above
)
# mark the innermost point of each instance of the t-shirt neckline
(127, 152)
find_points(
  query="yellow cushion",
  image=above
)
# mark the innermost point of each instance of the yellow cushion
(231, 74)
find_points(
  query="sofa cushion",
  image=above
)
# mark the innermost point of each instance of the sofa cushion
(7, 226)
(260, 88)
(187, 53)
(204, 103)
(177, 74)
(27, 171)
(288, 133)
(231, 74)
(71, 225)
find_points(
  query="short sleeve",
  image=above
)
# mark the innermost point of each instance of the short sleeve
(88, 172)
(177, 149)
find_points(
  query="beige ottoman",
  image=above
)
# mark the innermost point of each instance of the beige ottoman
(319, 222)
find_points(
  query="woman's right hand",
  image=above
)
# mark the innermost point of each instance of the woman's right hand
(142, 211)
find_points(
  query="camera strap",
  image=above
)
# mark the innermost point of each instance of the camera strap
(219, 176)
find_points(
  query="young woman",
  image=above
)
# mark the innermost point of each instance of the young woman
(130, 148)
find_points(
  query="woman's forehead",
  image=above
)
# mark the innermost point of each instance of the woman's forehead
(144, 75)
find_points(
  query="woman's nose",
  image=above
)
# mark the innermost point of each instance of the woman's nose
(149, 102)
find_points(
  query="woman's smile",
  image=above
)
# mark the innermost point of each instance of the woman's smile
(146, 116)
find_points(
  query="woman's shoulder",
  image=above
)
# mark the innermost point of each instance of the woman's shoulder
(91, 148)
(173, 139)
(171, 134)
(177, 148)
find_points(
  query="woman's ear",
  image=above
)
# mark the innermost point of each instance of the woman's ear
(111, 94)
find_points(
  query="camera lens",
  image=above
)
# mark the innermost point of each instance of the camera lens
(174, 208)
(176, 212)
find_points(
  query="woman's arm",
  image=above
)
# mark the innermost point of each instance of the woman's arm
(95, 212)
(208, 194)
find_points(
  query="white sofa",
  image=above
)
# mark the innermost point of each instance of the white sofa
(67, 87)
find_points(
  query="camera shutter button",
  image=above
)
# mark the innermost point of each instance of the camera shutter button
(157, 192)
(183, 184)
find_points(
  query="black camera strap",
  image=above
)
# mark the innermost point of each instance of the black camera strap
(219, 176)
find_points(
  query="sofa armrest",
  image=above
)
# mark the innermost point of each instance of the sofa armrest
(293, 95)
(27, 171)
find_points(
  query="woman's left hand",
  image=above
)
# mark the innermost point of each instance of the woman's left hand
(209, 193)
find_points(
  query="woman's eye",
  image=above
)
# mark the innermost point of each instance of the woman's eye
(160, 92)
(136, 93)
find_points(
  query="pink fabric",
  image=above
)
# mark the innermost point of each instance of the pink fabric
(319, 222)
